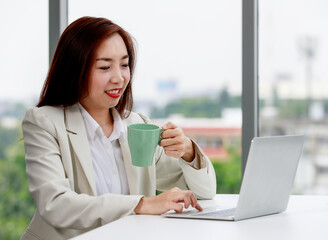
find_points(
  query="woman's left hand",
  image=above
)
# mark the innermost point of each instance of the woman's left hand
(175, 143)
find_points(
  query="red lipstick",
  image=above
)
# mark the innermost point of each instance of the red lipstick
(114, 93)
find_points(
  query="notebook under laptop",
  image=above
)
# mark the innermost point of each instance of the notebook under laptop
(267, 182)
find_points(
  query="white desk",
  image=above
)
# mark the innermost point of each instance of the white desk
(305, 218)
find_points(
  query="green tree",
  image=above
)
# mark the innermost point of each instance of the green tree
(202, 106)
(292, 108)
(14, 109)
(16, 204)
(228, 173)
(226, 100)
(189, 107)
(8, 136)
(195, 107)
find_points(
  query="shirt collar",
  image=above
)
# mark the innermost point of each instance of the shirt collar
(118, 125)
(93, 128)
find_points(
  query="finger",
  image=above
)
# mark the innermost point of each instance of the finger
(187, 201)
(170, 142)
(175, 154)
(193, 199)
(169, 125)
(176, 207)
(172, 145)
(174, 148)
(198, 207)
(171, 133)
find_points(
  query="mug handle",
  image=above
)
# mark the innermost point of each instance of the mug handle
(160, 137)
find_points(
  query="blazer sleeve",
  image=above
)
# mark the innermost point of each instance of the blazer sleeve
(176, 172)
(58, 204)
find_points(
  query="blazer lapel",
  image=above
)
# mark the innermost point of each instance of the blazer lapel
(77, 135)
(131, 172)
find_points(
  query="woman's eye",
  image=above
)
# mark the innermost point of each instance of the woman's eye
(125, 65)
(105, 67)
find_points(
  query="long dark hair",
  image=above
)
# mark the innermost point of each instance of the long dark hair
(69, 71)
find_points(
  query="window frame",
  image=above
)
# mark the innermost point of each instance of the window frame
(250, 91)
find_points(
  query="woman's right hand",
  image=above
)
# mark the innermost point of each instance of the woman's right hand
(166, 201)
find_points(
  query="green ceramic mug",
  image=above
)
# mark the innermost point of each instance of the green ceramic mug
(143, 140)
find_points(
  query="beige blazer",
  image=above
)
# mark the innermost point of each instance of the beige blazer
(61, 177)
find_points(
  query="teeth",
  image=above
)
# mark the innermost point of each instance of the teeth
(113, 91)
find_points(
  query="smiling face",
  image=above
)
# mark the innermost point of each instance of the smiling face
(109, 75)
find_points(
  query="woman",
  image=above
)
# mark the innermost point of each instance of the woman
(77, 158)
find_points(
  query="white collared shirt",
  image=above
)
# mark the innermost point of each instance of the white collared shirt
(106, 154)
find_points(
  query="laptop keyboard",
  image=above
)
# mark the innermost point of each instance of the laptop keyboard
(221, 213)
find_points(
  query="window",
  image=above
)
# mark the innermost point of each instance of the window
(23, 68)
(293, 55)
(24, 49)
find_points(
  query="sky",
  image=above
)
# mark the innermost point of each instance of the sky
(181, 40)
(284, 27)
(196, 44)
(23, 48)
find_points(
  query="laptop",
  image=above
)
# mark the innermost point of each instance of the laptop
(267, 182)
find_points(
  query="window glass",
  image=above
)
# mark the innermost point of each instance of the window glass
(24, 49)
(23, 68)
(188, 70)
(293, 56)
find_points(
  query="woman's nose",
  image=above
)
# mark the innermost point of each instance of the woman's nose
(117, 76)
